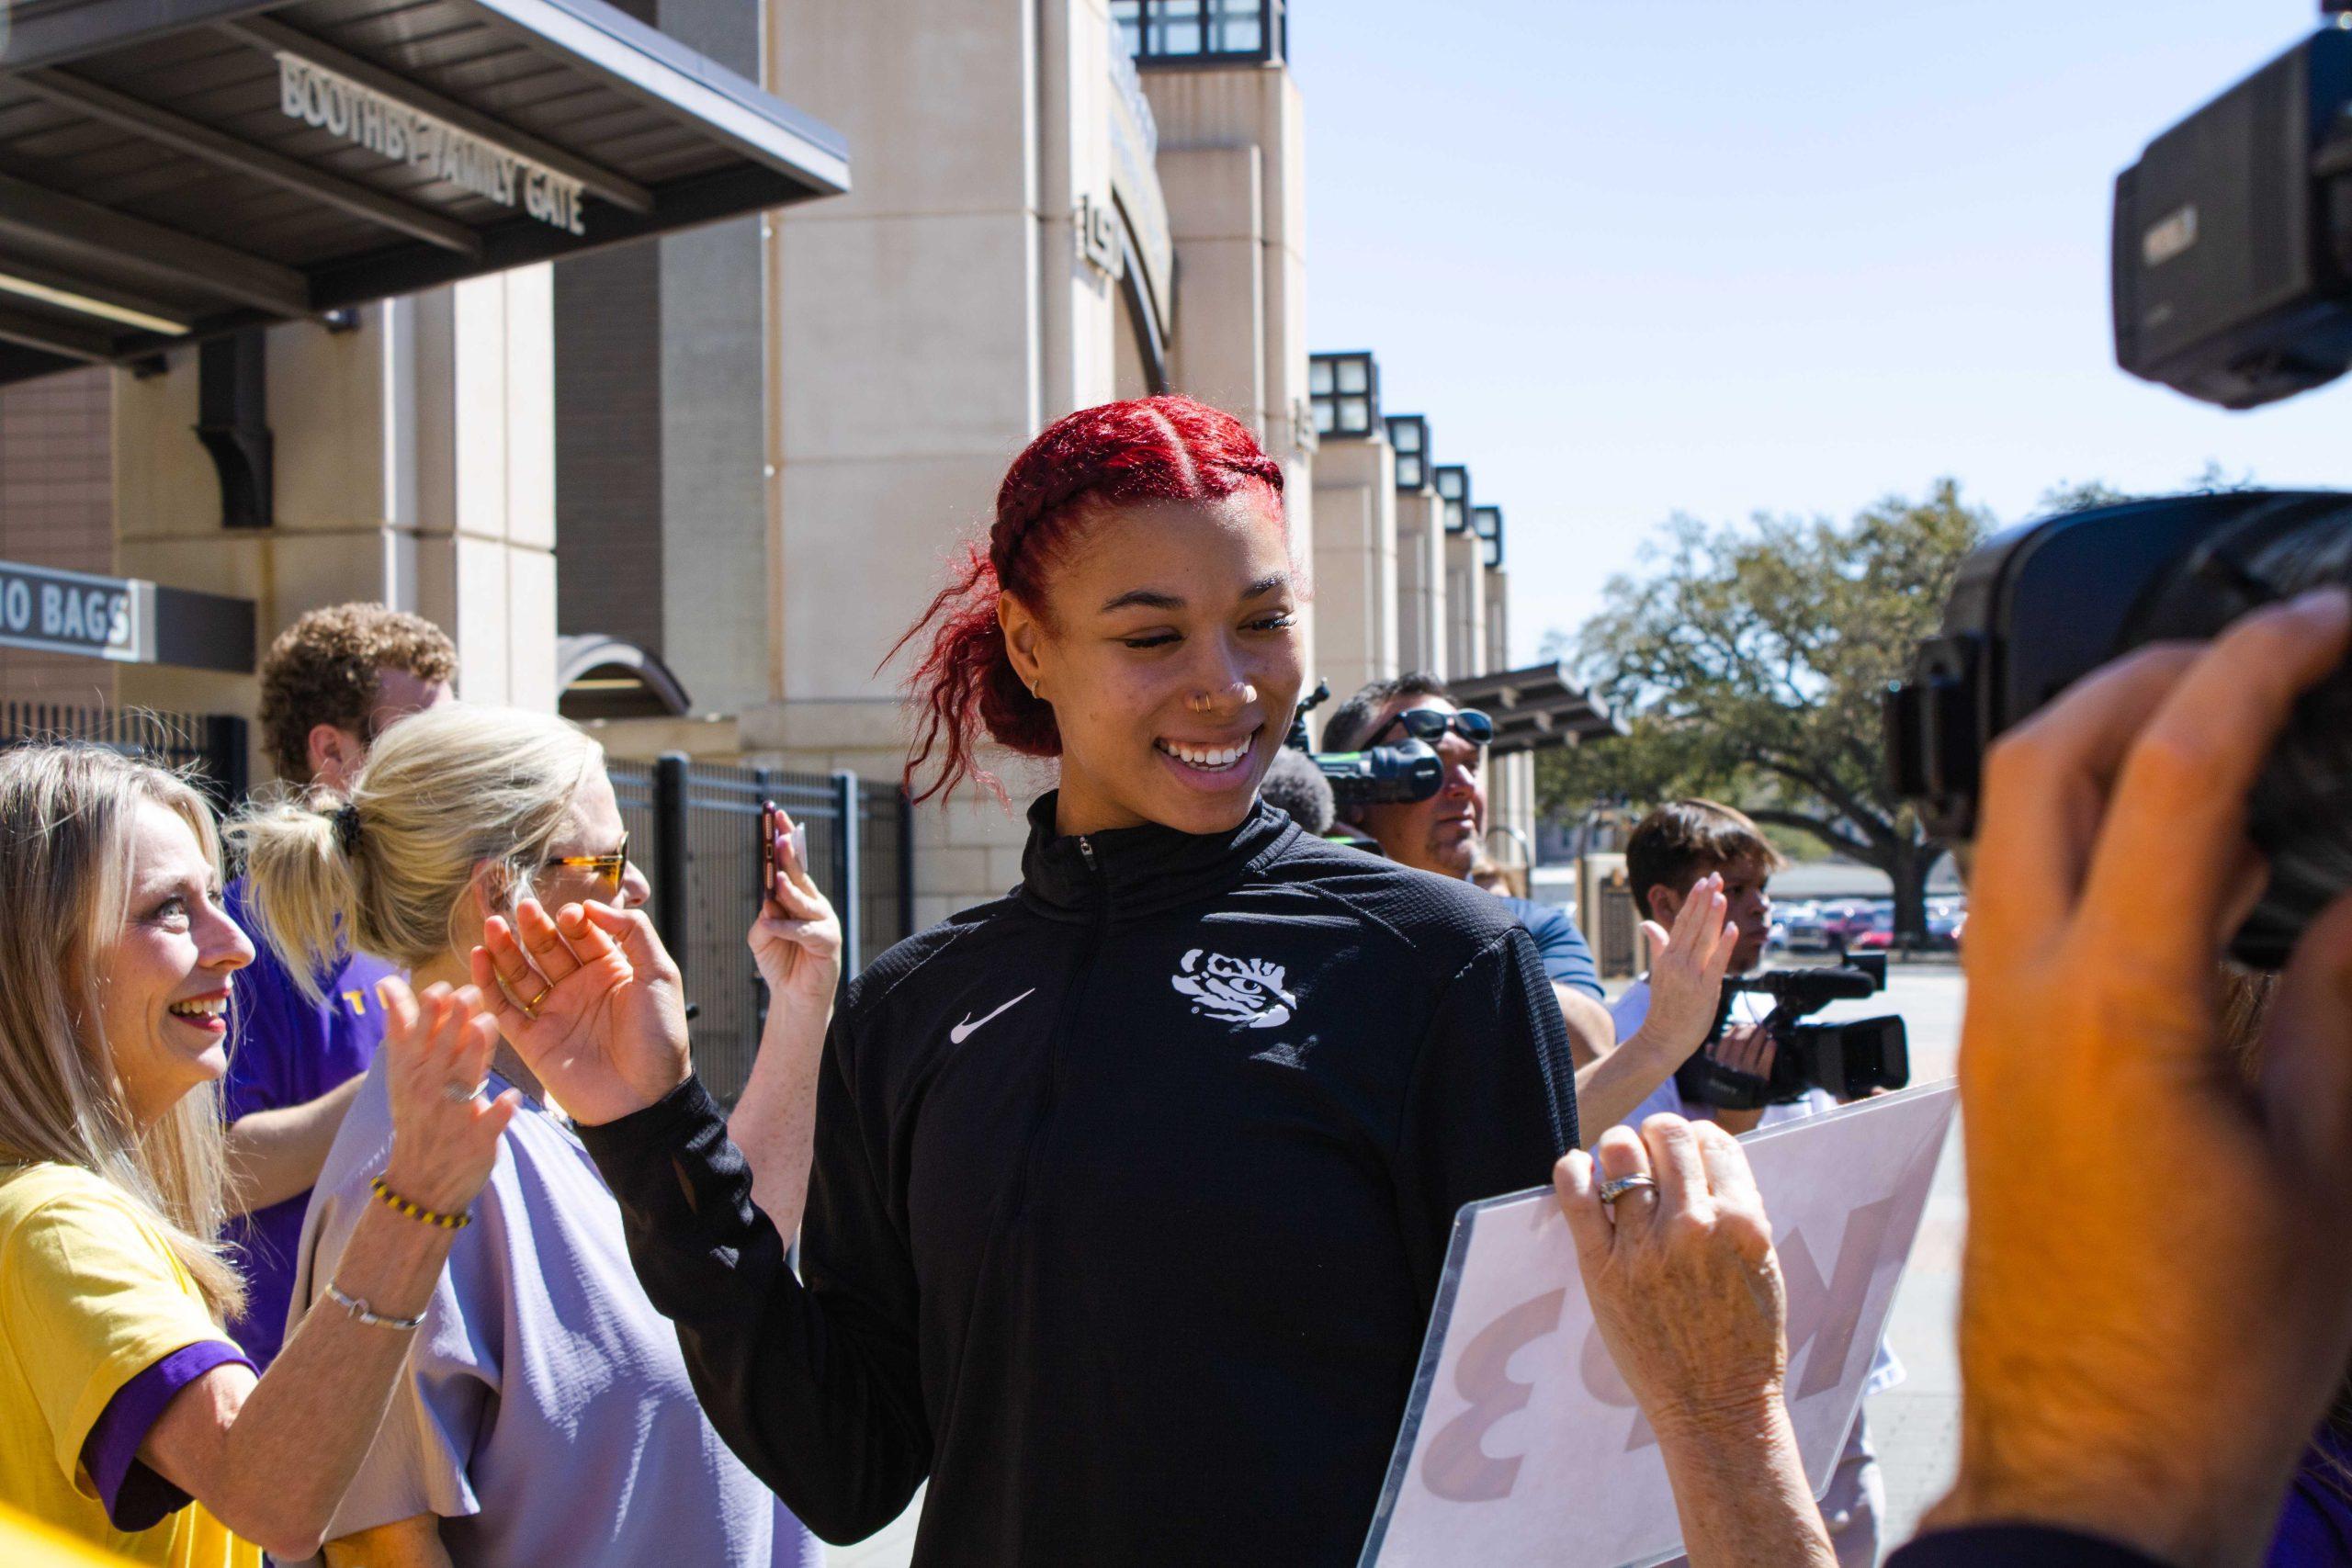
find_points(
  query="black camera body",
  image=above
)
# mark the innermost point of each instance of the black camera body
(1406, 771)
(2037, 608)
(1848, 1059)
(2232, 247)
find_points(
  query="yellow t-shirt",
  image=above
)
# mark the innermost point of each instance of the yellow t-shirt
(90, 1296)
(26, 1542)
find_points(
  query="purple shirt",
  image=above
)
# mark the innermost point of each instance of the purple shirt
(135, 1497)
(289, 1050)
(2315, 1529)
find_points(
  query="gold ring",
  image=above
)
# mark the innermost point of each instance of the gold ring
(531, 1008)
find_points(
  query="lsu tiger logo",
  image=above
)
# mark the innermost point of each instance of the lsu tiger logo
(1244, 992)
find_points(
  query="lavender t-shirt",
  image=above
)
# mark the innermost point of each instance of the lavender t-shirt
(547, 1414)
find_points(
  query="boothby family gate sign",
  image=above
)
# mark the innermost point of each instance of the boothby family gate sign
(390, 128)
(1523, 1445)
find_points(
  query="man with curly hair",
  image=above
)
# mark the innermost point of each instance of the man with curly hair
(337, 677)
(334, 682)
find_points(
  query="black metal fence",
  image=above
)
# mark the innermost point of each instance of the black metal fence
(694, 831)
(211, 744)
(700, 824)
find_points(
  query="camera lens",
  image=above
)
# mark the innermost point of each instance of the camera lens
(2299, 815)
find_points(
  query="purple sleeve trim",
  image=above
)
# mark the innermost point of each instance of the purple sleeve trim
(136, 1497)
(2016, 1546)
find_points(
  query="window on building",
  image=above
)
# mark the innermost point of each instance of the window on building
(1194, 32)
(1410, 434)
(1345, 392)
(1454, 491)
(1487, 522)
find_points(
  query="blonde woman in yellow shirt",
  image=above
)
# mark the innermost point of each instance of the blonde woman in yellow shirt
(126, 1416)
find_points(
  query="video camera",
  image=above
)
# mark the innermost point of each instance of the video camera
(2233, 277)
(1848, 1059)
(2231, 250)
(1407, 772)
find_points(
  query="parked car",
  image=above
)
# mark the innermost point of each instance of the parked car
(1784, 917)
(1802, 928)
(1843, 921)
(1872, 931)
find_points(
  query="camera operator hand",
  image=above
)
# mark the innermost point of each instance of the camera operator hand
(1747, 1048)
(2158, 1286)
(1689, 1298)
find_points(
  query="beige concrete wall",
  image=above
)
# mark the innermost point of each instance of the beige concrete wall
(924, 327)
(1497, 595)
(1216, 213)
(1233, 167)
(1510, 808)
(1465, 607)
(1420, 582)
(414, 464)
(1355, 562)
(1255, 107)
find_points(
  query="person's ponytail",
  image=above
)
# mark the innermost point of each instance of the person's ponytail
(386, 869)
(303, 882)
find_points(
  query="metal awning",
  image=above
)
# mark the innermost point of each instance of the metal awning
(1536, 707)
(173, 169)
(609, 677)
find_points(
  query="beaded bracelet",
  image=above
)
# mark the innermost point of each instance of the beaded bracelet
(418, 1210)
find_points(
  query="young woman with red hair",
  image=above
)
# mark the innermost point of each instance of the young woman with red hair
(1132, 1188)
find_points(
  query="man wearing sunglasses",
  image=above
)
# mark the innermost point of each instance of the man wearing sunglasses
(1443, 834)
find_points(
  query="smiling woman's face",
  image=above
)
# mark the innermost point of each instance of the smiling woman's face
(1169, 648)
(163, 980)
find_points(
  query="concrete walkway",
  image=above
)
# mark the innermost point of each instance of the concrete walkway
(1916, 1423)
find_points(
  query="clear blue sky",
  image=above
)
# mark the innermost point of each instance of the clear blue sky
(1634, 259)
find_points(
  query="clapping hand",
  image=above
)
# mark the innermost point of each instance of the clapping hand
(796, 939)
(591, 1001)
(444, 1135)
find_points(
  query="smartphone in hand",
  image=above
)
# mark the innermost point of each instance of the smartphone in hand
(767, 849)
(770, 815)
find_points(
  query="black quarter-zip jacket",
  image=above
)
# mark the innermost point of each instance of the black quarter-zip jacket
(1130, 1198)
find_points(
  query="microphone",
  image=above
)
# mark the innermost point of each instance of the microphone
(1297, 786)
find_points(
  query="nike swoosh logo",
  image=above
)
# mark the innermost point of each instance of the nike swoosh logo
(962, 1032)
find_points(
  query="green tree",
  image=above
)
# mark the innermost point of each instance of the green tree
(1748, 665)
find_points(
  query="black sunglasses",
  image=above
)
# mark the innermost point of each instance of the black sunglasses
(1430, 725)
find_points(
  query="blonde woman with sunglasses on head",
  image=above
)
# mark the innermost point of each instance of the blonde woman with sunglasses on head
(547, 1417)
(127, 1417)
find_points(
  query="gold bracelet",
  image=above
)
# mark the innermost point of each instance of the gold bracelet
(418, 1210)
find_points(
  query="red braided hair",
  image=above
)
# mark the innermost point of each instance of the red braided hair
(1167, 448)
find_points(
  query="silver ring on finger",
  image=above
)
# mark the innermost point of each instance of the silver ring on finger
(1617, 1187)
(459, 1094)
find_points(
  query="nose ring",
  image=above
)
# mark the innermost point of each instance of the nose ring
(1202, 702)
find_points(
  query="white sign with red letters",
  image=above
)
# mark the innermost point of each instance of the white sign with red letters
(1522, 1444)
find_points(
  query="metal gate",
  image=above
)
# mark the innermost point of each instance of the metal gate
(211, 746)
(694, 831)
(700, 824)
